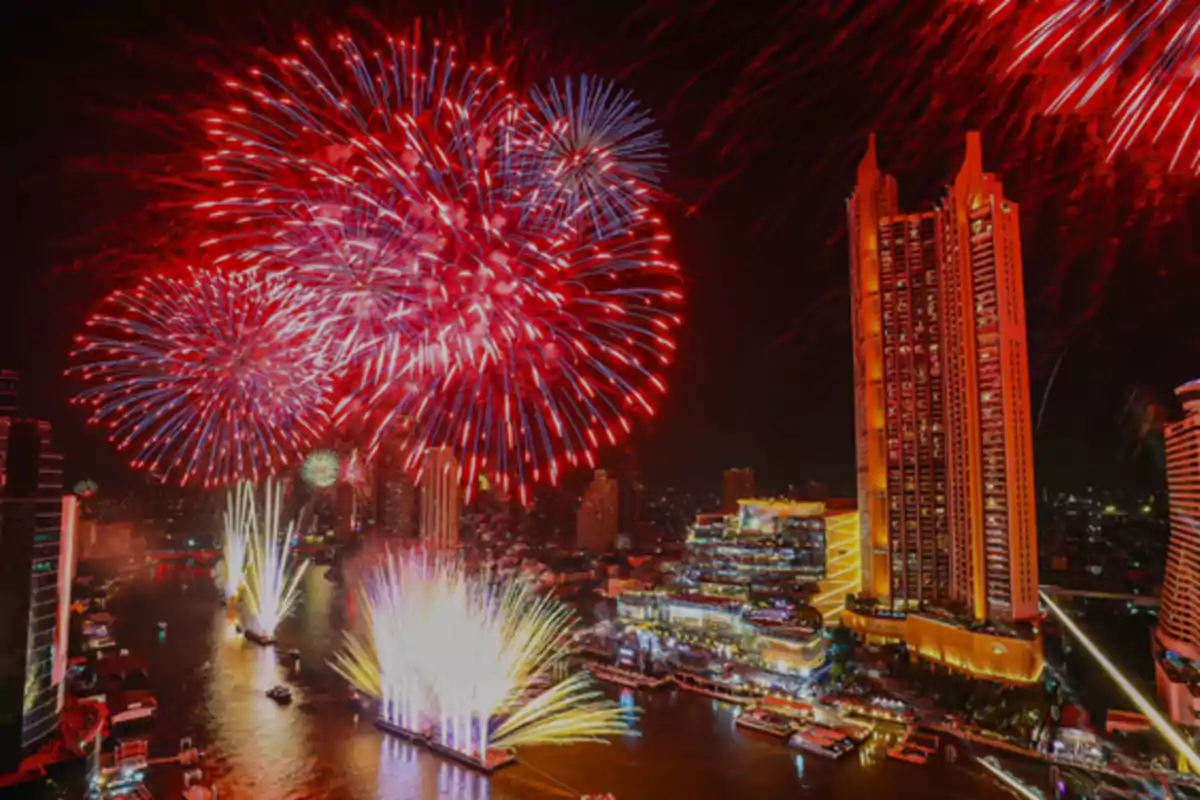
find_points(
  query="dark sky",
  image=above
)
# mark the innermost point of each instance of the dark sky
(765, 106)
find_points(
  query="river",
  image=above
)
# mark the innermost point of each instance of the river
(210, 684)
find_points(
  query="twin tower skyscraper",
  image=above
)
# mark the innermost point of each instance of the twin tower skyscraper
(941, 376)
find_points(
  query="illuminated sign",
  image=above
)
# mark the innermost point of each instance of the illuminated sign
(766, 516)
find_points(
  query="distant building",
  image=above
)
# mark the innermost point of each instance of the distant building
(395, 492)
(597, 520)
(739, 485)
(629, 507)
(441, 499)
(1177, 636)
(33, 589)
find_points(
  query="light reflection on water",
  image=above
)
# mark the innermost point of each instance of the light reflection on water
(211, 684)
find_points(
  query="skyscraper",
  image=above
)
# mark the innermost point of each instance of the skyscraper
(738, 485)
(441, 499)
(944, 441)
(874, 197)
(1177, 634)
(597, 518)
(31, 518)
(1179, 616)
(989, 426)
(395, 492)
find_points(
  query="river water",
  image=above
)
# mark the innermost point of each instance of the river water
(210, 684)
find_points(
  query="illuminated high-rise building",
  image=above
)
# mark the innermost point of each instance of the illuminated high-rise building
(943, 424)
(738, 485)
(1178, 630)
(1179, 615)
(441, 499)
(32, 655)
(875, 197)
(989, 425)
(597, 520)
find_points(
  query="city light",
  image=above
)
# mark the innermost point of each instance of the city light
(1161, 723)
(238, 522)
(272, 577)
(470, 664)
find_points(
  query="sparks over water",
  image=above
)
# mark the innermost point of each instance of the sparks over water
(238, 529)
(490, 685)
(273, 575)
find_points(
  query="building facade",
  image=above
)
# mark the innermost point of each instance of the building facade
(395, 492)
(31, 530)
(943, 424)
(738, 485)
(598, 519)
(1177, 635)
(989, 426)
(441, 499)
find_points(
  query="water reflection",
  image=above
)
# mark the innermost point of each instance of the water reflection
(262, 738)
(406, 771)
(211, 685)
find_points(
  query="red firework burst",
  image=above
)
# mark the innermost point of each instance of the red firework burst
(209, 378)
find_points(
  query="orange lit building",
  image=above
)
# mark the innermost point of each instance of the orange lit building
(441, 499)
(989, 433)
(944, 442)
(1177, 636)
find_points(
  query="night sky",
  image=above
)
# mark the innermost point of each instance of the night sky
(766, 108)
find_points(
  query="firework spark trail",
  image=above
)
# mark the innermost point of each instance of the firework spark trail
(478, 688)
(212, 377)
(496, 269)
(238, 530)
(273, 577)
(589, 149)
(1135, 61)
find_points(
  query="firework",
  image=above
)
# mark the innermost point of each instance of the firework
(357, 268)
(519, 305)
(590, 156)
(462, 661)
(1136, 62)
(273, 577)
(321, 469)
(540, 365)
(211, 377)
(238, 530)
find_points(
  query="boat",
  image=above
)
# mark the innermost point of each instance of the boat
(813, 739)
(280, 694)
(132, 706)
(497, 757)
(627, 678)
(858, 731)
(97, 643)
(925, 741)
(761, 721)
(266, 640)
(741, 694)
(915, 748)
(787, 707)
(909, 753)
